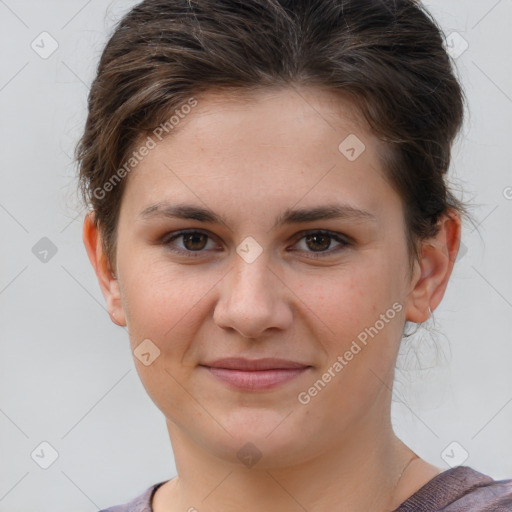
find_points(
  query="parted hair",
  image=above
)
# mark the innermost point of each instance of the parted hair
(386, 56)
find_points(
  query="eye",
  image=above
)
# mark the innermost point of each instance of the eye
(193, 241)
(316, 243)
(320, 241)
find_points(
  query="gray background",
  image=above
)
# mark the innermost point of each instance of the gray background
(66, 373)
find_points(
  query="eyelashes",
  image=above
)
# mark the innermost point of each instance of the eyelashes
(198, 241)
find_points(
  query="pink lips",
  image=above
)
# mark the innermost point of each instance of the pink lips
(255, 374)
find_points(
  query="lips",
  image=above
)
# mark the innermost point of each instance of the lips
(255, 374)
(240, 363)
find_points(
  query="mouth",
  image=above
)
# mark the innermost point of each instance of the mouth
(255, 374)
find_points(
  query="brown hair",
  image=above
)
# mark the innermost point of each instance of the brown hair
(387, 56)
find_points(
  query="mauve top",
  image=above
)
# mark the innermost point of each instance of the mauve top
(459, 489)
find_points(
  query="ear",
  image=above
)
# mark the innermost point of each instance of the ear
(108, 283)
(433, 270)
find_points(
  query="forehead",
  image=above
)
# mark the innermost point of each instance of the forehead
(295, 144)
(290, 113)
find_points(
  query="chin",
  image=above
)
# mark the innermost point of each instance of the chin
(261, 440)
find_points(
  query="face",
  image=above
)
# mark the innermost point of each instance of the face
(299, 254)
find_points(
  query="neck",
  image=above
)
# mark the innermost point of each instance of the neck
(361, 471)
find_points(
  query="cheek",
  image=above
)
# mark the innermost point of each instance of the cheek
(352, 298)
(361, 314)
(161, 301)
(163, 305)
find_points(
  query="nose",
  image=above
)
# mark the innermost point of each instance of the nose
(253, 299)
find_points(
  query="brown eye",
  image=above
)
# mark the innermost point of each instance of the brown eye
(318, 241)
(317, 244)
(193, 243)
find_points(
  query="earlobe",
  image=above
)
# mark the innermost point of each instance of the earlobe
(106, 278)
(114, 303)
(115, 320)
(434, 268)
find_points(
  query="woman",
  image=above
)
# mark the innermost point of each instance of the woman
(269, 208)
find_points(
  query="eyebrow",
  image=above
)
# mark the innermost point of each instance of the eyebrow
(289, 216)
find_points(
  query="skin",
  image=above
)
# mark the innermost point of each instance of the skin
(249, 159)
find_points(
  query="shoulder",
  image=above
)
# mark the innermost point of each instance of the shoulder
(141, 503)
(486, 496)
(461, 489)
